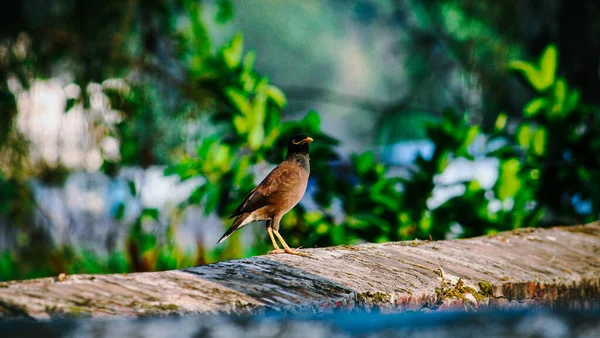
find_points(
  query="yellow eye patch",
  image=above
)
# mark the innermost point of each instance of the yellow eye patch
(306, 140)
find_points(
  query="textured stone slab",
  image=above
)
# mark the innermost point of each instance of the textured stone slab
(556, 267)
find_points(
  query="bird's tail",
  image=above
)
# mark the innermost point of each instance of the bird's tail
(236, 225)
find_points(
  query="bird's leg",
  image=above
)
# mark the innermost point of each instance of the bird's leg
(286, 247)
(270, 231)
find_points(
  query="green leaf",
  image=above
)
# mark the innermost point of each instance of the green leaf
(382, 239)
(389, 202)
(363, 163)
(548, 62)
(313, 121)
(443, 160)
(205, 146)
(322, 228)
(533, 107)
(212, 198)
(197, 37)
(259, 109)
(357, 223)
(560, 94)
(220, 157)
(543, 77)
(539, 141)
(117, 262)
(501, 121)
(120, 212)
(232, 53)
(249, 60)
(572, 101)
(277, 96)
(256, 137)
(150, 213)
(239, 99)
(470, 137)
(197, 195)
(225, 11)
(584, 174)
(535, 174)
(404, 218)
(369, 220)
(313, 217)
(272, 136)
(524, 134)
(508, 183)
(560, 90)
(257, 120)
(241, 170)
(69, 104)
(241, 124)
(473, 186)
(248, 81)
(530, 73)
(425, 223)
(132, 189)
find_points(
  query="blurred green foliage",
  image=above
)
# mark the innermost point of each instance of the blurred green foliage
(547, 157)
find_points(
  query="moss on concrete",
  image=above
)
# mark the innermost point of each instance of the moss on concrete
(65, 312)
(460, 292)
(486, 288)
(369, 299)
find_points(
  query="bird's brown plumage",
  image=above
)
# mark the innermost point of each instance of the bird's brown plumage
(278, 193)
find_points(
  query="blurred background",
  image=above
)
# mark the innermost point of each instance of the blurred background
(131, 129)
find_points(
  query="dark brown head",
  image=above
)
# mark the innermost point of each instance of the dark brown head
(299, 144)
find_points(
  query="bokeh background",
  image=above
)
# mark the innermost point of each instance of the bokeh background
(130, 129)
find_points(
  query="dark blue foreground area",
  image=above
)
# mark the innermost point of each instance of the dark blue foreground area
(438, 324)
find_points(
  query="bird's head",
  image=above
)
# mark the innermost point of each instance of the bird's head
(299, 144)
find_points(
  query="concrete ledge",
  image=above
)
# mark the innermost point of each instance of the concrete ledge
(556, 267)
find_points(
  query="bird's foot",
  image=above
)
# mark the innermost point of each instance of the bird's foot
(294, 252)
(276, 251)
(289, 251)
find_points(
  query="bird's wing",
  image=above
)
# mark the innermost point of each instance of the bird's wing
(283, 178)
(254, 200)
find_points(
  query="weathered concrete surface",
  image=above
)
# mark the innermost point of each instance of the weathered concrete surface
(557, 268)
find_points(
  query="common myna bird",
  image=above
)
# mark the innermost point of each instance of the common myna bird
(277, 194)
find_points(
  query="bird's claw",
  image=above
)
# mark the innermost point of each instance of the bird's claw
(276, 251)
(294, 252)
(289, 251)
